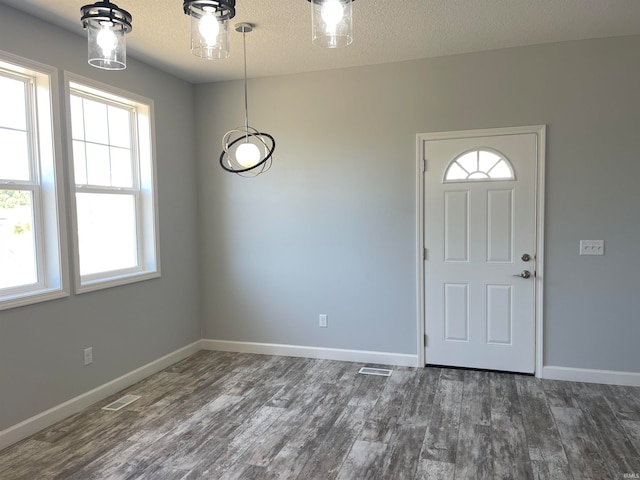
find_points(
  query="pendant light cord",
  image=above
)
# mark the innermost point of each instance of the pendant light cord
(246, 102)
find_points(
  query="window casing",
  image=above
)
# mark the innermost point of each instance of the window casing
(113, 183)
(32, 239)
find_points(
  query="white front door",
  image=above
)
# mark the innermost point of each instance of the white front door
(479, 235)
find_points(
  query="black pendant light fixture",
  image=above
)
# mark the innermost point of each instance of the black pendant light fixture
(106, 26)
(210, 26)
(331, 23)
(245, 150)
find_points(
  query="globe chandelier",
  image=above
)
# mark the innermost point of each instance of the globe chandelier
(245, 150)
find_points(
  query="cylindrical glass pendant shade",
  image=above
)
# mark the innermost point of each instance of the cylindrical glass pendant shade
(107, 46)
(210, 26)
(331, 23)
(209, 34)
(106, 25)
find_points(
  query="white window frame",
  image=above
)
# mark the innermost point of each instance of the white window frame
(477, 151)
(45, 184)
(143, 143)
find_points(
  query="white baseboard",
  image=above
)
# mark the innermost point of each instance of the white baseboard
(360, 356)
(38, 422)
(610, 377)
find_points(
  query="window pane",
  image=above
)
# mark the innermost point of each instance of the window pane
(119, 127)
(95, 125)
(456, 173)
(478, 176)
(469, 161)
(13, 101)
(107, 232)
(17, 241)
(121, 174)
(487, 160)
(98, 168)
(77, 118)
(501, 170)
(14, 155)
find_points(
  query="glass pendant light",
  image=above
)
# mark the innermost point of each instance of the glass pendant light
(210, 27)
(331, 23)
(106, 26)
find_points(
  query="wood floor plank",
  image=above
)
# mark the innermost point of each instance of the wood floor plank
(474, 453)
(617, 449)
(476, 401)
(559, 394)
(418, 403)
(386, 412)
(508, 439)
(435, 470)
(329, 455)
(543, 438)
(582, 450)
(441, 438)
(551, 470)
(402, 455)
(624, 402)
(632, 429)
(364, 460)
(307, 441)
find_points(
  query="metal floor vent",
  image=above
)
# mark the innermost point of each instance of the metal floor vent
(383, 372)
(121, 402)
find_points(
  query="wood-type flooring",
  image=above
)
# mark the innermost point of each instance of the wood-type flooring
(219, 415)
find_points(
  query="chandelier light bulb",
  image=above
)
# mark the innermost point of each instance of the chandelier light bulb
(247, 154)
(331, 23)
(107, 39)
(332, 13)
(209, 26)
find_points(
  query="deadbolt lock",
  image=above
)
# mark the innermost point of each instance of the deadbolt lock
(526, 257)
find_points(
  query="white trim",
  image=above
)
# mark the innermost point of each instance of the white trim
(540, 132)
(421, 164)
(147, 212)
(539, 278)
(46, 184)
(47, 418)
(609, 377)
(360, 356)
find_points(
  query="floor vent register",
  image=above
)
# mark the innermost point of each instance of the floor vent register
(121, 402)
(382, 372)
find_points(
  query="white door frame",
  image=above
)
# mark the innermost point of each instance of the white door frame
(421, 166)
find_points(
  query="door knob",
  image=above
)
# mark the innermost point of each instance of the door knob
(526, 257)
(524, 274)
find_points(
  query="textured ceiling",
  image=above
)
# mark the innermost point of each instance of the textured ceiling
(384, 31)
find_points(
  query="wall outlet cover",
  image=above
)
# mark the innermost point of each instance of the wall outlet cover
(591, 247)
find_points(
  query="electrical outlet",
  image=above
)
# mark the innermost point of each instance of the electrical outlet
(322, 322)
(88, 356)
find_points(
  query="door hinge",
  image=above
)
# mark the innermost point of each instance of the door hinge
(426, 339)
(424, 164)
(425, 253)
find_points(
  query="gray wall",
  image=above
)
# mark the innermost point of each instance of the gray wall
(331, 228)
(41, 346)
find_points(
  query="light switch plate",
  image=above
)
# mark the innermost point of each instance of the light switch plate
(591, 247)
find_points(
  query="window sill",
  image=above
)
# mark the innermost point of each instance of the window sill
(115, 281)
(29, 298)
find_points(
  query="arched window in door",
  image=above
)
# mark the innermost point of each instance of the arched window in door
(479, 165)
